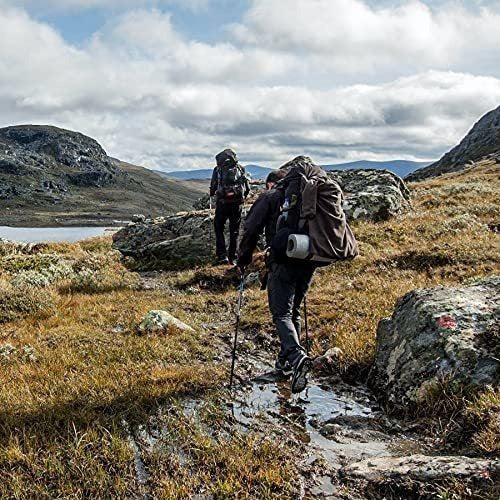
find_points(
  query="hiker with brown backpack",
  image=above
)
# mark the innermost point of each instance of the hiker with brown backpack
(230, 186)
(303, 214)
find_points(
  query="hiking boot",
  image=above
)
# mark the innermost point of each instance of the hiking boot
(284, 367)
(220, 261)
(301, 369)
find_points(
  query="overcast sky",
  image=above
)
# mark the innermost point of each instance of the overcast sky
(169, 83)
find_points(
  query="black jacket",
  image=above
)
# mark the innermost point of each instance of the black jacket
(262, 216)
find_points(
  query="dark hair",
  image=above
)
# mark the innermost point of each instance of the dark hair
(275, 176)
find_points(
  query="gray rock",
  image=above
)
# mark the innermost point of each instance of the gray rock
(435, 334)
(423, 469)
(483, 140)
(159, 321)
(372, 194)
(138, 218)
(176, 241)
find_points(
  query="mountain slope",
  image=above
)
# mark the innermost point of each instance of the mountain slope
(51, 176)
(482, 140)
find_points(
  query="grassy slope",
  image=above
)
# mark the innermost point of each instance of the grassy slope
(60, 416)
(152, 195)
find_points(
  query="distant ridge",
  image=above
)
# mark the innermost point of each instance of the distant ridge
(399, 167)
(482, 140)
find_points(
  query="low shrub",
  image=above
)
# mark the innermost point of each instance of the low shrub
(100, 273)
(17, 302)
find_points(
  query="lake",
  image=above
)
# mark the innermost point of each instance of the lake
(44, 234)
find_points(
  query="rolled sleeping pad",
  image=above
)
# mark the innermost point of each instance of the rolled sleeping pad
(298, 247)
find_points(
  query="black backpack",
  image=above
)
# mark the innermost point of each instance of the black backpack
(231, 178)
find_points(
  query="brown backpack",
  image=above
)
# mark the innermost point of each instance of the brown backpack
(313, 215)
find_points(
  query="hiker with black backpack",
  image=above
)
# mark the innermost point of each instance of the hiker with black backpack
(230, 186)
(306, 228)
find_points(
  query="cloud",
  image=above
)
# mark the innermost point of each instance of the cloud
(153, 97)
(352, 36)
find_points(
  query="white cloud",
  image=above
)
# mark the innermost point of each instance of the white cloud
(153, 97)
(350, 35)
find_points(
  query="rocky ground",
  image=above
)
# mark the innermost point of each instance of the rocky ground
(99, 401)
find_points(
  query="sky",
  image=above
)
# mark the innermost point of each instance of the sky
(169, 83)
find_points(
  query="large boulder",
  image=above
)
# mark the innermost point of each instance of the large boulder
(372, 194)
(168, 242)
(437, 334)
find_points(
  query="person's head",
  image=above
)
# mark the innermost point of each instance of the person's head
(273, 177)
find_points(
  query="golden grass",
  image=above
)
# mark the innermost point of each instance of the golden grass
(60, 430)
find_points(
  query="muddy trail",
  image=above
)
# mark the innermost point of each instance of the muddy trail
(344, 445)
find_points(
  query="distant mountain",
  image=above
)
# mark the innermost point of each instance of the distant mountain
(398, 167)
(482, 140)
(256, 171)
(51, 176)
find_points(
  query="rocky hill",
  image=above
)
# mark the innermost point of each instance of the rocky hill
(52, 176)
(483, 140)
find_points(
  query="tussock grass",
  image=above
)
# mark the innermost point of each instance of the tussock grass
(60, 416)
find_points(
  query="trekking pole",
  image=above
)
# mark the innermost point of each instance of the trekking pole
(238, 316)
(306, 325)
(211, 225)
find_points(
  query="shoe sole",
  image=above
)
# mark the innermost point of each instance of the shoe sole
(299, 381)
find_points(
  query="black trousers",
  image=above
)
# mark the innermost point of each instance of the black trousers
(223, 213)
(287, 286)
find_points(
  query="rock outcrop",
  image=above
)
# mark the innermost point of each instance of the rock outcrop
(483, 140)
(434, 335)
(56, 158)
(420, 473)
(166, 243)
(43, 167)
(372, 194)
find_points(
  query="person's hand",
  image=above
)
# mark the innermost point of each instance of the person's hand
(240, 268)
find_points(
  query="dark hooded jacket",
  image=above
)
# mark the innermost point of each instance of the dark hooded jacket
(261, 217)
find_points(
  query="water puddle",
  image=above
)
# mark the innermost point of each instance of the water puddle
(337, 422)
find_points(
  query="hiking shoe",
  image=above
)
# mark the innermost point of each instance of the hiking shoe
(301, 369)
(284, 367)
(220, 261)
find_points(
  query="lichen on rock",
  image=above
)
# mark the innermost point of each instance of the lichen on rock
(435, 335)
(159, 321)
